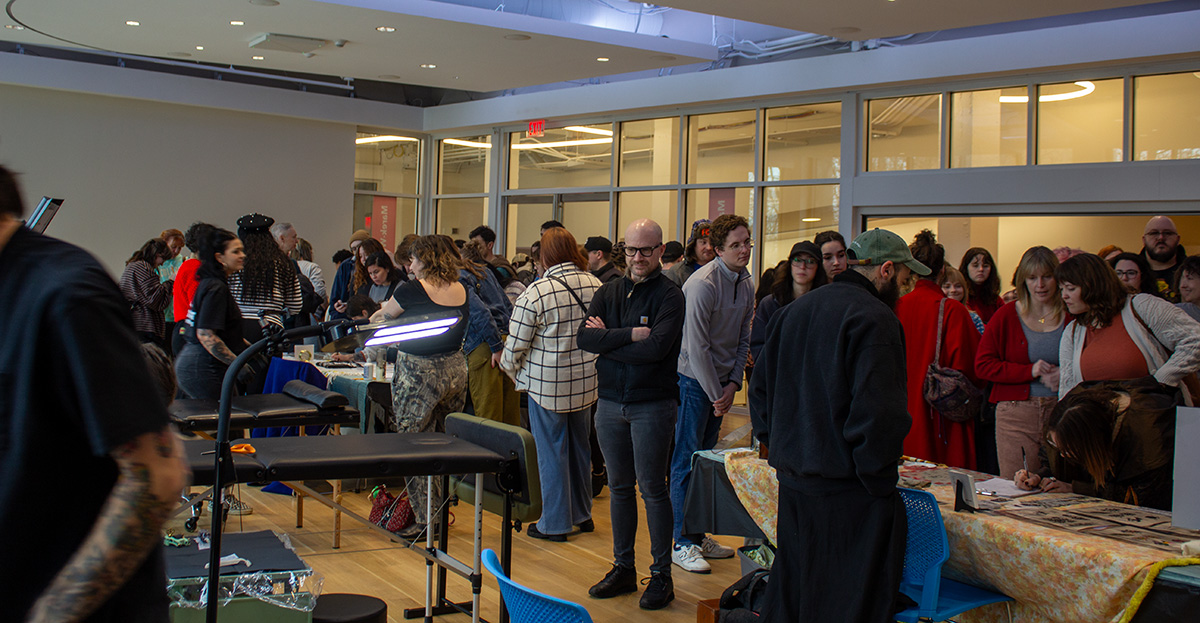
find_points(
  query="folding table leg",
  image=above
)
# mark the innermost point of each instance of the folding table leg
(337, 515)
(476, 579)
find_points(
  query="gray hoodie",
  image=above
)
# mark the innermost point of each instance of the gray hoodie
(716, 327)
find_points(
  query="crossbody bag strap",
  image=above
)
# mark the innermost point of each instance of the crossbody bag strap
(575, 296)
(1145, 326)
(937, 353)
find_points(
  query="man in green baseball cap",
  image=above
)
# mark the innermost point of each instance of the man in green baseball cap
(829, 397)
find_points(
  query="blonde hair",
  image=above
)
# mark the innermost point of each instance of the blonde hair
(1034, 259)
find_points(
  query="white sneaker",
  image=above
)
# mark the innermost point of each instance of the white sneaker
(712, 549)
(236, 506)
(689, 558)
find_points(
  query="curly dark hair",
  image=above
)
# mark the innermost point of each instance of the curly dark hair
(1148, 284)
(152, 250)
(928, 251)
(265, 262)
(1099, 287)
(987, 291)
(383, 261)
(195, 236)
(369, 247)
(440, 257)
(722, 226)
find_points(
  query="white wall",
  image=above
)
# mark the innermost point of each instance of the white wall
(130, 168)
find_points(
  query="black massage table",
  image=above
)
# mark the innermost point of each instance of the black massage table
(292, 460)
(302, 404)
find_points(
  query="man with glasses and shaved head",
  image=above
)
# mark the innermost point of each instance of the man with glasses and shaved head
(635, 324)
(1164, 254)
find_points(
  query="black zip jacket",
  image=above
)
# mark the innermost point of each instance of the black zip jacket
(640, 371)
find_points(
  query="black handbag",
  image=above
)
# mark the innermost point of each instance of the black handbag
(946, 390)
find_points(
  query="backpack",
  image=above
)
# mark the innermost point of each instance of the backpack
(748, 593)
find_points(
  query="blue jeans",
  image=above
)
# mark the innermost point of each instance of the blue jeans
(635, 439)
(695, 429)
(564, 466)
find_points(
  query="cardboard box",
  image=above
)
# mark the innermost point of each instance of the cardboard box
(707, 610)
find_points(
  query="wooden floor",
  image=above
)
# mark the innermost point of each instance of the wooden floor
(368, 563)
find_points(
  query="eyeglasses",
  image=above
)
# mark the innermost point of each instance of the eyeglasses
(645, 251)
(805, 261)
(738, 246)
(1128, 273)
(1161, 234)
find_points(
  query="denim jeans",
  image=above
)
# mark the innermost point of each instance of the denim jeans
(635, 439)
(564, 466)
(695, 429)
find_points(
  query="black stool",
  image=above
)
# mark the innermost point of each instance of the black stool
(349, 608)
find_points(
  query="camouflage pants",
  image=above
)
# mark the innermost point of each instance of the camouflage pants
(425, 389)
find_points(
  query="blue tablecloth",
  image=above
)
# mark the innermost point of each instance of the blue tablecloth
(278, 374)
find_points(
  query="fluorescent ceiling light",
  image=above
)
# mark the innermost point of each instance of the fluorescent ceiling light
(811, 219)
(237, 22)
(603, 59)
(587, 141)
(587, 130)
(133, 23)
(462, 143)
(382, 139)
(1085, 88)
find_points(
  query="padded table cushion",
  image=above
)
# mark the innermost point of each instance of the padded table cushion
(258, 411)
(274, 405)
(349, 456)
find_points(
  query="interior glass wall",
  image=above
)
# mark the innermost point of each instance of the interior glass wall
(387, 163)
(795, 213)
(710, 203)
(649, 152)
(1080, 121)
(989, 128)
(1166, 117)
(659, 205)
(570, 157)
(721, 147)
(587, 215)
(464, 165)
(389, 219)
(525, 218)
(904, 133)
(803, 142)
(457, 217)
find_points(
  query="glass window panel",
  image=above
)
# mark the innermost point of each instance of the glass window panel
(457, 217)
(525, 218)
(1080, 121)
(989, 128)
(586, 216)
(570, 157)
(803, 142)
(389, 166)
(464, 164)
(649, 152)
(795, 213)
(904, 133)
(661, 206)
(721, 147)
(710, 203)
(1166, 119)
(389, 219)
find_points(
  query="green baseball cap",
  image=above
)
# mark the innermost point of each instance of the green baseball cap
(877, 246)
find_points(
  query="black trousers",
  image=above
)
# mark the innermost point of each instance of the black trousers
(840, 557)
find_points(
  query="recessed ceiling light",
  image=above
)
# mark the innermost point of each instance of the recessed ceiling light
(603, 59)
(389, 77)
(14, 27)
(257, 58)
(265, 2)
(199, 47)
(237, 22)
(811, 219)
(428, 66)
(385, 28)
(132, 23)
(518, 37)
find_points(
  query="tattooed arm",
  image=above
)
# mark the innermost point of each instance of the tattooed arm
(152, 474)
(215, 346)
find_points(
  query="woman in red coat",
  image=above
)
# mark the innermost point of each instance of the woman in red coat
(933, 437)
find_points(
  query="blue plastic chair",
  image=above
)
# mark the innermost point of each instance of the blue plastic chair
(529, 606)
(937, 598)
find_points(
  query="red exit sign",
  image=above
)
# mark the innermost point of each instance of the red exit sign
(537, 128)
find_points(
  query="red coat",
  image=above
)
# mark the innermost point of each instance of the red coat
(185, 288)
(933, 437)
(986, 309)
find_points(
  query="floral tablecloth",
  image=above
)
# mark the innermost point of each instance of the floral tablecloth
(1054, 575)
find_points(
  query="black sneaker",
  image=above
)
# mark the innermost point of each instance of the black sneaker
(587, 526)
(660, 591)
(619, 581)
(538, 534)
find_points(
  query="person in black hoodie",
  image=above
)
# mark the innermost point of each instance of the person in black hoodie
(828, 397)
(635, 324)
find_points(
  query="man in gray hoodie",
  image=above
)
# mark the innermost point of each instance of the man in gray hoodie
(716, 340)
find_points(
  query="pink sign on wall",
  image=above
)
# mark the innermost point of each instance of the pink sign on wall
(720, 201)
(383, 221)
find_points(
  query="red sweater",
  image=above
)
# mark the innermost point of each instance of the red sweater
(185, 288)
(1003, 357)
